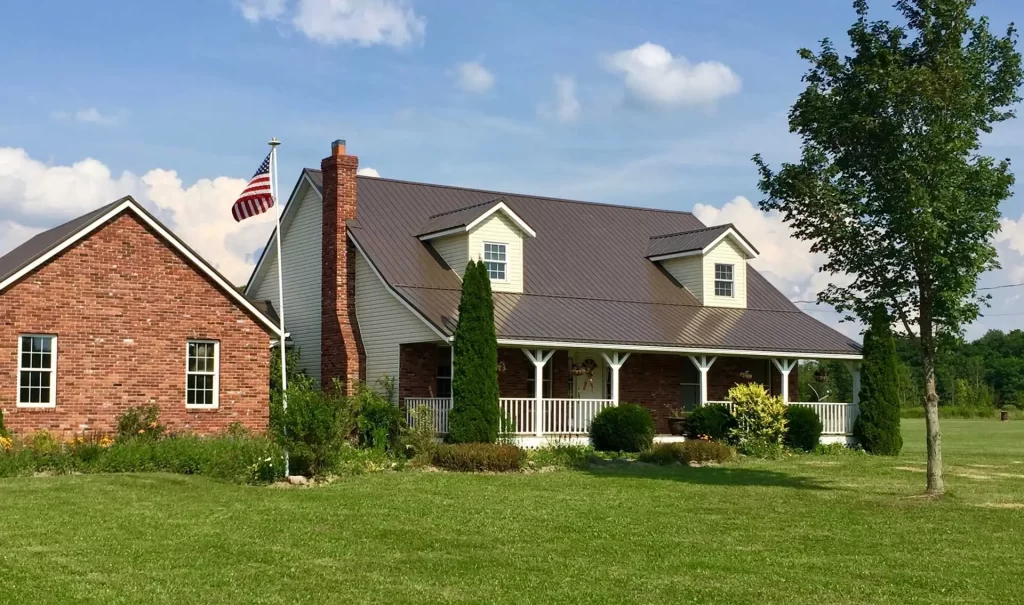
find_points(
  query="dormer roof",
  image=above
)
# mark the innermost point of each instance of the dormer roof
(696, 241)
(466, 218)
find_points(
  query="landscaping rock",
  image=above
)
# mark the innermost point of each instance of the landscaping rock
(298, 480)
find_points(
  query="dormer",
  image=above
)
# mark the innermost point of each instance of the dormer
(711, 263)
(490, 232)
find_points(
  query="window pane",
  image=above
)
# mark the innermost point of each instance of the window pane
(23, 395)
(44, 360)
(689, 395)
(26, 360)
(44, 344)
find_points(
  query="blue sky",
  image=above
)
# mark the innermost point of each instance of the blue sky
(463, 93)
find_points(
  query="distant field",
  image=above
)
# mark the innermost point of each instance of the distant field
(811, 529)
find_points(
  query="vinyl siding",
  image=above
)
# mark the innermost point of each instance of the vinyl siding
(729, 253)
(454, 249)
(300, 247)
(498, 229)
(688, 271)
(384, 325)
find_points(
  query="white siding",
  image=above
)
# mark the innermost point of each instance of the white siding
(384, 324)
(300, 248)
(454, 249)
(498, 229)
(688, 271)
(729, 253)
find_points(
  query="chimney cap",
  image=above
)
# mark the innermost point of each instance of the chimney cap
(338, 143)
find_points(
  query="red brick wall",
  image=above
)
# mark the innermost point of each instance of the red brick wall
(122, 305)
(341, 349)
(417, 370)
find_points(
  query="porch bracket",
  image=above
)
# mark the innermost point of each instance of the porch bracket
(785, 366)
(615, 362)
(539, 358)
(703, 363)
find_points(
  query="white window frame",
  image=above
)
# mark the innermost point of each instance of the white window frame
(53, 373)
(731, 282)
(216, 375)
(504, 247)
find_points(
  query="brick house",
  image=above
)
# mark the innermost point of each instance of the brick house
(594, 303)
(112, 310)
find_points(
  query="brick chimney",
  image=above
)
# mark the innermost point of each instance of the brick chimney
(341, 349)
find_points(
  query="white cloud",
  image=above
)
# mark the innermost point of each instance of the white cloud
(653, 76)
(472, 76)
(255, 10)
(566, 107)
(368, 172)
(90, 115)
(1010, 244)
(362, 22)
(36, 196)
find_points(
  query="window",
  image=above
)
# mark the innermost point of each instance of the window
(723, 280)
(496, 261)
(202, 374)
(545, 380)
(37, 371)
(689, 386)
(444, 371)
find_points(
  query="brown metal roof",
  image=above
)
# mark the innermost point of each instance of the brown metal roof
(689, 241)
(443, 221)
(587, 277)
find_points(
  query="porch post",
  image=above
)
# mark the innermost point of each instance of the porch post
(615, 363)
(540, 359)
(785, 366)
(703, 364)
(855, 371)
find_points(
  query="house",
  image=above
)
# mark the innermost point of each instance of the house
(112, 310)
(594, 303)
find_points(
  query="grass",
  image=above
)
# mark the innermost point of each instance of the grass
(810, 529)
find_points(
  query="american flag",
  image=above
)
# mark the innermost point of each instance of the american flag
(257, 198)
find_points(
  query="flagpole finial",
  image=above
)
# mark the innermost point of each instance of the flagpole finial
(274, 142)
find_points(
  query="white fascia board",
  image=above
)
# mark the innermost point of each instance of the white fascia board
(662, 257)
(286, 217)
(511, 342)
(500, 206)
(391, 290)
(437, 234)
(131, 205)
(730, 232)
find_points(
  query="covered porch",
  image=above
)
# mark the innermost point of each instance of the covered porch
(553, 393)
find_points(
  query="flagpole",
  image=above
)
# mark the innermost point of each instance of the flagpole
(280, 283)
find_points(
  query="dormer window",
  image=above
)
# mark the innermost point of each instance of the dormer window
(495, 258)
(724, 280)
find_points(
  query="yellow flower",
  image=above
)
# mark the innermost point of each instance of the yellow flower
(6, 444)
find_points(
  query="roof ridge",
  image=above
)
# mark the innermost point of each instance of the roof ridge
(478, 204)
(527, 195)
(725, 226)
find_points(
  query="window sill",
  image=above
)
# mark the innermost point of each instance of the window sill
(36, 406)
(199, 408)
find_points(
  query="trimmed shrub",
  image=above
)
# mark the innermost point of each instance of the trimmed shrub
(379, 422)
(141, 422)
(475, 415)
(714, 421)
(803, 428)
(476, 457)
(759, 416)
(623, 428)
(877, 428)
(314, 428)
(696, 451)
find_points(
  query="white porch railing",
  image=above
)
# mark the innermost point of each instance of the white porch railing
(439, 405)
(518, 415)
(559, 417)
(836, 418)
(572, 416)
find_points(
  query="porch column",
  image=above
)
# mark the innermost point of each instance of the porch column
(703, 364)
(539, 358)
(785, 366)
(614, 363)
(855, 372)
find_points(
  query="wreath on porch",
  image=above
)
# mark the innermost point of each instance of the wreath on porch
(585, 368)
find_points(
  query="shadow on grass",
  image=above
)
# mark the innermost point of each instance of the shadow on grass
(707, 475)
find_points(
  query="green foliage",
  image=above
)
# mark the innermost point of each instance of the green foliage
(419, 438)
(837, 449)
(140, 422)
(297, 378)
(624, 428)
(691, 451)
(803, 428)
(475, 414)
(877, 428)
(361, 461)
(714, 421)
(759, 416)
(763, 448)
(828, 380)
(3, 429)
(479, 457)
(314, 428)
(379, 422)
(561, 455)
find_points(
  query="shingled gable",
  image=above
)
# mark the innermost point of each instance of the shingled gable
(588, 277)
(45, 246)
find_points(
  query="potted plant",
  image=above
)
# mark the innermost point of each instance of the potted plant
(676, 420)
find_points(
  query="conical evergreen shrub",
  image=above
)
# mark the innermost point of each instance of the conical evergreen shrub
(475, 413)
(878, 426)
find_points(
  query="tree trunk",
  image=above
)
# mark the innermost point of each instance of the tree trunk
(931, 408)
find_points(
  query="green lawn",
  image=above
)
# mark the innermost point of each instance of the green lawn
(811, 529)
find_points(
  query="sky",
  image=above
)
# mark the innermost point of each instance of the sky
(654, 104)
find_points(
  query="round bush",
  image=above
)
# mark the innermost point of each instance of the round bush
(714, 420)
(803, 428)
(624, 428)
